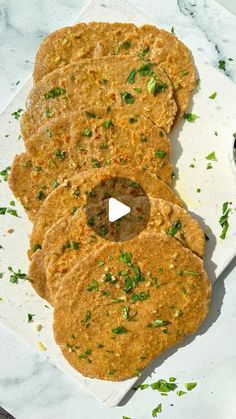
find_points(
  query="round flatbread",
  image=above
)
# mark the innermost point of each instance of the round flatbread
(60, 149)
(128, 303)
(71, 239)
(125, 82)
(95, 40)
(72, 195)
(45, 164)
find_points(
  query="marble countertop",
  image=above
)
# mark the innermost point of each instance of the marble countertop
(29, 386)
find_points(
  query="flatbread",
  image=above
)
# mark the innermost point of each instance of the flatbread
(129, 302)
(59, 150)
(35, 173)
(101, 83)
(70, 240)
(95, 40)
(72, 195)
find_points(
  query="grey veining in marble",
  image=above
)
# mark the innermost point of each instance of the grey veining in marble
(29, 386)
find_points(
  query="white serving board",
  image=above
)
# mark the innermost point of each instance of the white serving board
(189, 140)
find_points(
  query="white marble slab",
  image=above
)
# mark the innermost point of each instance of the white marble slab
(142, 403)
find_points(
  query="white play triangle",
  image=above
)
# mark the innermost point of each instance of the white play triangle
(116, 209)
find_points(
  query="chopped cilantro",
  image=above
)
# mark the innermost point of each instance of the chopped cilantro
(100, 263)
(93, 286)
(143, 53)
(107, 124)
(91, 221)
(221, 64)
(104, 82)
(174, 228)
(153, 86)
(131, 77)
(209, 166)
(60, 154)
(160, 153)
(36, 247)
(145, 69)
(15, 276)
(213, 95)
(137, 90)
(198, 83)
(127, 98)
(143, 138)
(190, 117)
(87, 318)
(172, 30)
(157, 409)
(125, 312)
(4, 173)
(190, 386)
(119, 330)
(103, 230)
(184, 72)
(163, 386)
(17, 113)
(157, 323)
(133, 119)
(91, 115)
(172, 379)
(125, 257)
(30, 317)
(139, 297)
(95, 164)
(180, 393)
(198, 190)
(41, 195)
(55, 184)
(224, 219)
(54, 92)
(87, 132)
(211, 156)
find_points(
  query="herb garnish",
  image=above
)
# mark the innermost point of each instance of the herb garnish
(119, 330)
(4, 173)
(127, 98)
(160, 153)
(190, 386)
(87, 132)
(198, 83)
(41, 195)
(209, 166)
(91, 115)
(17, 113)
(54, 92)
(190, 117)
(60, 154)
(36, 247)
(221, 64)
(211, 156)
(93, 286)
(157, 323)
(87, 318)
(143, 138)
(224, 219)
(30, 317)
(172, 30)
(131, 76)
(139, 297)
(174, 228)
(181, 393)
(157, 409)
(11, 211)
(213, 95)
(15, 276)
(107, 124)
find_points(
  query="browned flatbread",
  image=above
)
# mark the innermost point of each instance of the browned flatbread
(101, 83)
(35, 173)
(70, 240)
(129, 302)
(71, 195)
(59, 150)
(94, 40)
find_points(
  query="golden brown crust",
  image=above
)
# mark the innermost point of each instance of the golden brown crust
(73, 194)
(68, 89)
(59, 259)
(112, 339)
(95, 40)
(59, 150)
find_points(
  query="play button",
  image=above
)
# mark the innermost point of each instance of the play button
(117, 209)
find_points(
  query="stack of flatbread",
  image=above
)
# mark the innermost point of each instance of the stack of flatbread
(104, 99)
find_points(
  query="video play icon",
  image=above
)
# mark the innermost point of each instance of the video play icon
(117, 209)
